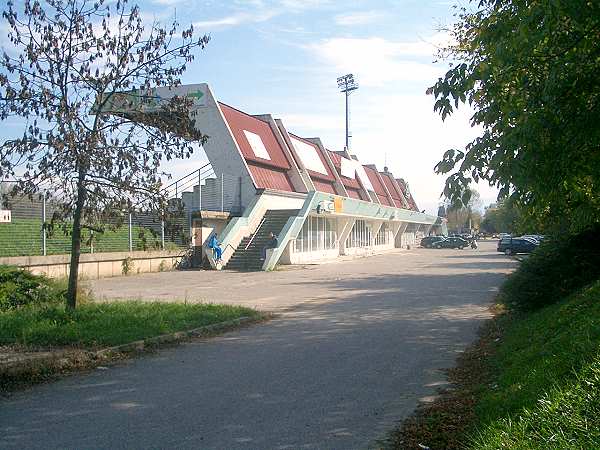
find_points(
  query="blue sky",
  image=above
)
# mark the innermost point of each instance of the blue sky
(283, 57)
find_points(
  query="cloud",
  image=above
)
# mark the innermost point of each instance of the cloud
(388, 127)
(377, 61)
(256, 11)
(235, 19)
(358, 18)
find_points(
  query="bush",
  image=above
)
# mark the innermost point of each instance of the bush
(559, 267)
(19, 287)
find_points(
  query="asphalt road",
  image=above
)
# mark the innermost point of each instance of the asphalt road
(364, 344)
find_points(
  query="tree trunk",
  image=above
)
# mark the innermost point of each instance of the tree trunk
(76, 243)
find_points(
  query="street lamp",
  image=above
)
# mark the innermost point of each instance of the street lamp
(347, 84)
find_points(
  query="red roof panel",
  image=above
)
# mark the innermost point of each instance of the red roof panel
(323, 186)
(354, 193)
(351, 183)
(396, 196)
(384, 200)
(239, 122)
(378, 186)
(270, 178)
(408, 195)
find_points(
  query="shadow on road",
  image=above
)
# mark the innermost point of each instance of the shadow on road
(336, 372)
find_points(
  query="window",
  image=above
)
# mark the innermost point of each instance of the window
(317, 234)
(411, 228)
(360, 236)
(257, 145)
(309, 156)
(383, 235)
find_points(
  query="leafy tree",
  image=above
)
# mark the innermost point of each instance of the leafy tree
(463, 213)
(66, 60)
(505, 217)
(530, 70)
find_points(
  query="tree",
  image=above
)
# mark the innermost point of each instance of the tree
(530, 70)
(463, 213)
(68, 59)
(504, 217)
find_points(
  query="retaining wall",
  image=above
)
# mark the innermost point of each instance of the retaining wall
(98, 265)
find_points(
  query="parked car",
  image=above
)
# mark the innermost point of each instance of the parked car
(451, 242)
(428, 241)
(510, 245)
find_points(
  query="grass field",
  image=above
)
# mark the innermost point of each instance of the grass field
(105, 324)
(23, 237)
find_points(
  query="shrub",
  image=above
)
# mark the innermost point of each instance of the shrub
(19, 287)
(559, 267)
(127, 265)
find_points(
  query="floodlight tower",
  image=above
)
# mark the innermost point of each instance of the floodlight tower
(347, 85)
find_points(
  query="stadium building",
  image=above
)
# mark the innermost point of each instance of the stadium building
(321, 204)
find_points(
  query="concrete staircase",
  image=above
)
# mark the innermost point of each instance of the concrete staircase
(247, 255)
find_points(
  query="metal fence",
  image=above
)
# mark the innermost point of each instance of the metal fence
(30, 231)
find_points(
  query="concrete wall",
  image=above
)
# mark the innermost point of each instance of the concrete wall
(222, 151)
(408, 239)
(98, 265)
(202, 229)
(293, 257)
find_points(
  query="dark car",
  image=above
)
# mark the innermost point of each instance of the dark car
(451, 242)
(510, 245)
(428, 241)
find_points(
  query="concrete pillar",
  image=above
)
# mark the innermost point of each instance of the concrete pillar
(344, 226)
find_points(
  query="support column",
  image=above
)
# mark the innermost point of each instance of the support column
(401, 230)
(343, 230)
(376, 227)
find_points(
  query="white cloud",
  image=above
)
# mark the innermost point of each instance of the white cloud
(377, 61)
(404, 130)
(256, 11)
(239, 18)
(358, 18)
(399, 129)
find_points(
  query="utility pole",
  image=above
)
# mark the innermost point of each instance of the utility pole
(347, 85)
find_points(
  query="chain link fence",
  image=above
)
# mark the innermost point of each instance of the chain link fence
(30, 230)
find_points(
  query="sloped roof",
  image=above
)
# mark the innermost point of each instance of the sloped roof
(378, 187)
(312, 158)
(255, 138)
(407, 194)
(389, 181)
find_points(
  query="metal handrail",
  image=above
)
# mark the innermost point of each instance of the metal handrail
(255, 232)
(186, 176)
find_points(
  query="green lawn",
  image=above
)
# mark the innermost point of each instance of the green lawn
(546, 393)
(23, 237)
(107, 324)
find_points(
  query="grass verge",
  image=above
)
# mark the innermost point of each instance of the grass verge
(94, 325)
(531, 382)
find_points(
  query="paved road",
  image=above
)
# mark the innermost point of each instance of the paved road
(365, 342)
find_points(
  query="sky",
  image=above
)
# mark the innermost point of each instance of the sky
(283, 57)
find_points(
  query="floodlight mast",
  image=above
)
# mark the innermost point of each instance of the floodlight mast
(347, 84)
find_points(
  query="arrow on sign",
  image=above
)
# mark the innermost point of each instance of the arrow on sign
(197, 94)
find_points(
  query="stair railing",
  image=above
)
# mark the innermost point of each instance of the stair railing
(255, 233)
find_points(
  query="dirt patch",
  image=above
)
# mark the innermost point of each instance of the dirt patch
(443, 423)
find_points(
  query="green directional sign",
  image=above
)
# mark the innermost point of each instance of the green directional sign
(196, 94)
